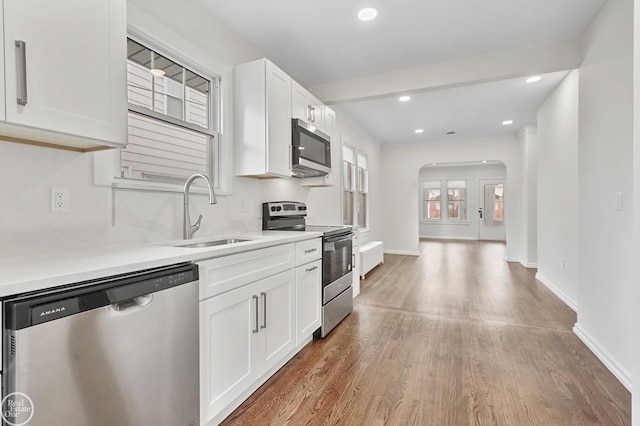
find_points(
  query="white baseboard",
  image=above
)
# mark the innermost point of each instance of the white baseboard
(530, 265)
(559, 293)
(612, 365)
(447, 237)
(402, 252)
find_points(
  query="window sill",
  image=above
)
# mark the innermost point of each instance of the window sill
(140, 185)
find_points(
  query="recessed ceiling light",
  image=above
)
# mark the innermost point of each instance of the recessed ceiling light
(367, 14)
(533, 79)
(507, 122)
(418, 131)
(404, 98)
(484, 161)
(157, 72)
(451, 133)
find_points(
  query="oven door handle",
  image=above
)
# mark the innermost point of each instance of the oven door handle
(339, 239)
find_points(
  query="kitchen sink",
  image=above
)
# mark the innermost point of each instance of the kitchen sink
(213, 243)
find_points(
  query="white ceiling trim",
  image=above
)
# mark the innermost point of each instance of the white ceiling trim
(495, 66)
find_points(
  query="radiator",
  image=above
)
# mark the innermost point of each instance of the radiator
(371, 255)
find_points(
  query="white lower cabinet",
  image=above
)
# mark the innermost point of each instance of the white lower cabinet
(275, 328)
(227, 364)
(247, 332)
(308, 299)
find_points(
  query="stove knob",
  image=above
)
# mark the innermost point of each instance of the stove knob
(279, 208)
(273, 208)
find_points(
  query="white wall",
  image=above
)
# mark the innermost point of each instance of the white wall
(529, 140)
(400, 190)
(605, 164)
(636, 208)
(457, 229)
(101, 215)
(558, 191)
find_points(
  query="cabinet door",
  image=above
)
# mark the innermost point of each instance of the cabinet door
(300, 101)
(306, 107)
(227, 344)
(277, 310)
(278, 87)
(332, 178)
(308, 299)
(75, 66)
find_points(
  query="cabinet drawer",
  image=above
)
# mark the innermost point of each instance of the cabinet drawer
(222, 274)
(307, 251)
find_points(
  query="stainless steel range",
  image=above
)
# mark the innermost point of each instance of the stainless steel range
(337, 258)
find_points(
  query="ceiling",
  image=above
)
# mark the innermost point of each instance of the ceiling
(321, 43)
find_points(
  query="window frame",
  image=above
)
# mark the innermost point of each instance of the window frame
(443, 186)
(426, 201)
(461, 202)
(214, 119)
(358, 186)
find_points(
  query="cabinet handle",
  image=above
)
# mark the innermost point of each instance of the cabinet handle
(313, 111)
(310, 250)
(264, 310)
(21, 71)
(311, 269)
(257, 329)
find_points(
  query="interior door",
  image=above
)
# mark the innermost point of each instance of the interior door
(491, 210)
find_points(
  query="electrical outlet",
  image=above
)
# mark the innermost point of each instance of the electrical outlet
(59, 200)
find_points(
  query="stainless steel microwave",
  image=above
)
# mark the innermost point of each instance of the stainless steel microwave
(311, 150)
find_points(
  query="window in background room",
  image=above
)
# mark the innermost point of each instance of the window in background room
(348, 186)
(174, 112)
(456, 199)
(498, 206)
(355, 188)
(432, 196)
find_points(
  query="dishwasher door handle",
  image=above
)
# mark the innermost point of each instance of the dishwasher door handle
(131, 305)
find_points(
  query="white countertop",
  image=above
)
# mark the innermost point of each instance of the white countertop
(27, 273)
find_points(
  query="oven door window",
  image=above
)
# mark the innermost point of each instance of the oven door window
(336, 258)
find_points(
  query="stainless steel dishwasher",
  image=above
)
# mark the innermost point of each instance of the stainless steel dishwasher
(116, 351)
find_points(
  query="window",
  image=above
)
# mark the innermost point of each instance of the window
(173, 119)
(431, 194)
(498, 204)
(433, 202)
(456, 200)
(355, 188)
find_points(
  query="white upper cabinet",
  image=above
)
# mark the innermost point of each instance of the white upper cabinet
(65, 73)
(306, 107)
(262, 119)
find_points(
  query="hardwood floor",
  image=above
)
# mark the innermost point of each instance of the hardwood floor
(456, 336)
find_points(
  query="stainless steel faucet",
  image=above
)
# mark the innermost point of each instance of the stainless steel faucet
(188, 229)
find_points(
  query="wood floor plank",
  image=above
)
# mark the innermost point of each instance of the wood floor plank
(454, 337)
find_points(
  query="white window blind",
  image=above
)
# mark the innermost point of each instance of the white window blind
(163, 152)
